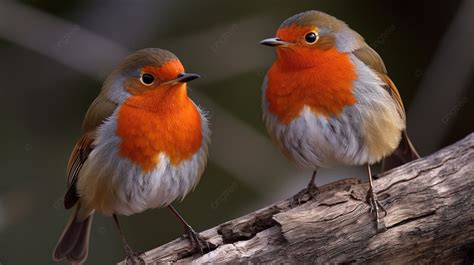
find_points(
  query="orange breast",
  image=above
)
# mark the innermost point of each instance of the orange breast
(162, 120)
(323, 83)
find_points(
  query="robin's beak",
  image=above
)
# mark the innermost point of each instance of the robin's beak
(273, 42)
(186, 77)
(181, 79)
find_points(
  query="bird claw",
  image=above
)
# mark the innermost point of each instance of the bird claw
(374, 209)
(375, 206)
(301, 197)
(198, 242)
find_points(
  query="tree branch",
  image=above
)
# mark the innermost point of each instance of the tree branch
(430, 204)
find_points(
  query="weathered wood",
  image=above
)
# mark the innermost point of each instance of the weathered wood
(430, 204)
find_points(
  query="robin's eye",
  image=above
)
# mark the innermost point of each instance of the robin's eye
(311, 37)
(147, 79)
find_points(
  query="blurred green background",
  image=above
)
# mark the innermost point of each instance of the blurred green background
(54, 55)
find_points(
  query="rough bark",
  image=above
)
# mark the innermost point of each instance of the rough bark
(430, 205)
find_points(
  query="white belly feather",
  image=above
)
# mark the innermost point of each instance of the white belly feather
(112, 184)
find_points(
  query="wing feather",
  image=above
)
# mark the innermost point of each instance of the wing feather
(405, 152)
(371, 58)
(100, 109)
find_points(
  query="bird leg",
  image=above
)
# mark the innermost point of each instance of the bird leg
(375, 204)
(312, 190)
(130, 255)
(199, 243)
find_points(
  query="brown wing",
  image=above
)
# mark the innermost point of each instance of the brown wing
(99, 110)
(371, 58)
(375, 62)
(405, 152)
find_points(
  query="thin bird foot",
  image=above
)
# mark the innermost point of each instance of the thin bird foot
(132, 257)
(198, 242)
(310, 193)
(375, 206)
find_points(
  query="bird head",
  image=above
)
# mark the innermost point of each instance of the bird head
(303, 36)
(144, 71)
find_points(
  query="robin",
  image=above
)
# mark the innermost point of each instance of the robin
(327, 100)
(143, 144)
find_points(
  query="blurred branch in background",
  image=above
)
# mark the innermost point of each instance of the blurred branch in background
(85, 52)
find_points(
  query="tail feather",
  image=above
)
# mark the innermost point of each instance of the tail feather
(74, 242)
(404, 153)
